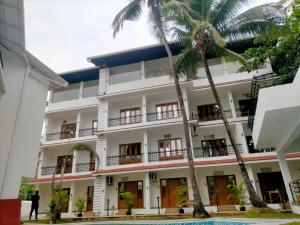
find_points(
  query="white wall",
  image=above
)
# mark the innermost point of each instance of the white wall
(115, 106)
(21, 115)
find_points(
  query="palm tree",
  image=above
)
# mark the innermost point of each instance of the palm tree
(55, 191)
(132, 12)
(213, 24)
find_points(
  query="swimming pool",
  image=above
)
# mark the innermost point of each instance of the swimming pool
(187, 223)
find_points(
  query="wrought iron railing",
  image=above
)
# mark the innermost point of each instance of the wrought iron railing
(260, 150)
(295, 189)
(60, 135)
(167, 155)
(86, 132)
(210, 116)
(155, 116)
(48, 170)
(120, 121)
(216, 151)
(124, 159)
(85, 167)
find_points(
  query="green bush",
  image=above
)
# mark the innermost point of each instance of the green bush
(182, 198)
(129, 200)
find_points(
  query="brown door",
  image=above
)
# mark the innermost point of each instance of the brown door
(134, 187)
(168, 189)
(218, 190)
(68, 166)
(89, 198)
(68, 130)
(209, 112)
(65, 208)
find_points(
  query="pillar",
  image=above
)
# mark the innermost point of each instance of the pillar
(231, 104)
(186, 102)
(251, 176)
(99, 195)
(285, 174)
(147, 191)
(101, 149)
(40, 163)
(75, 160)
(78, 119)
(143, 76)
(144, 108)
(81, 89)
(72, 197)
(44, 130)
(146, 148)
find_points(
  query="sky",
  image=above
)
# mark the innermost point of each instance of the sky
(63, 33)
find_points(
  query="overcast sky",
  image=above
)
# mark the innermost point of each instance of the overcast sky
(63, 33)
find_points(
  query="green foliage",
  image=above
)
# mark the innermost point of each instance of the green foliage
(129, 200)
(60, 197)
(26, 190)
(238, 191)
(281, 46)
(182, 198)
(82, 147)
(79, 202)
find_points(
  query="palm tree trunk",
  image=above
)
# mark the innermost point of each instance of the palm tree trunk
(199, 210)
(253, 197)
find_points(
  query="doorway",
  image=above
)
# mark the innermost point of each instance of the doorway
(65, 208)
(89, 198)
(134, 187)
(218, 190)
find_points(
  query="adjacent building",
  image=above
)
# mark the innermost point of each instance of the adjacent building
(127, 110)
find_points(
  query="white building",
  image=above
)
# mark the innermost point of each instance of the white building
(126, 108)
(24, 83)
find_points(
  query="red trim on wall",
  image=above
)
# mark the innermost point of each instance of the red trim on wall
(10, 211)
(40, 180)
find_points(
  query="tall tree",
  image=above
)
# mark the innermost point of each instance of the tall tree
(213, 24)
(132, 12)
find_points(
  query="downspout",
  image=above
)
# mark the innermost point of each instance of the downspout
(11, 152)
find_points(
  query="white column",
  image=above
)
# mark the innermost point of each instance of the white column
(78, 119)
(146, 148)
(81, 87)
(231, 103)
(251, 175)
(186, 102)
(103, 80)
(72, 197)
(102, 115)
(144, 108)
(142, 70)
(285, 174)
(41, 161)
(101, 150)
(75, 160)
(45, 127)
(50, 96)
(147, 191)
(99, 195)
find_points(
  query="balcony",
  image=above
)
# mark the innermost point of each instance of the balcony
(49, 170)
(167, 155)
(124, 159)
(85, 167)
(87, 132)
(157, 116)
(59, 135)
(121, 121)
(208, 116)
(216, 151)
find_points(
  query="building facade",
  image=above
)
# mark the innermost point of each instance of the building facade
(126, 109)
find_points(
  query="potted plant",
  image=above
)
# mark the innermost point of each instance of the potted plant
(238, 191)
(182, 198)
(61, 198)
(79, 202)
(129, 201)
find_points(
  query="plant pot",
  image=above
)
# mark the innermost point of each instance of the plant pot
(242, 208)
(181, 211)
(79, 215)
(128, 213)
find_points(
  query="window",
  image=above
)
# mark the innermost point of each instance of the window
(167, 111)
(245, 106)
(94, 125)
(68, 130)
(68, 159)
(140, 189)
(209, 112)
(129, 116)
(216, 147)
(130, 153)
(170, 147)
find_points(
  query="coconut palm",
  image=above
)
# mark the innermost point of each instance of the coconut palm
(132, 12)
(215, 23)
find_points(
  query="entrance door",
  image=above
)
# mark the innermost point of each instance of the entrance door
(66, 207)
(134, 187)
(218, 190)
(168, 189)
(272, 187)
(89, 198)
(68, 130)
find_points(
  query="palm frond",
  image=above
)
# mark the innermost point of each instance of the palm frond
(188, 62)
(157, 22)
(131, 12)
(202, 8)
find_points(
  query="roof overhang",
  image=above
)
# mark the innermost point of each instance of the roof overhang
(81, 75)
(277, 119)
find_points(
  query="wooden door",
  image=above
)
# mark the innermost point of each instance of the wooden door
(134, 187)
(89, 198)
(65, 209)
(68, 131)
(69, 162)
(168, 189)
(218, 190)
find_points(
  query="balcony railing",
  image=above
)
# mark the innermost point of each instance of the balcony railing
(48, 170)
(167, 155)
(120, 121)
(124, 159)
(85, 167)
(59, 135)
(260, 150)
(216, 151)
(155, 116)
(87, 132)
(210, 116)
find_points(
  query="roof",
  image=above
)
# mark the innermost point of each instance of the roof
(81, 75)
(134, 55)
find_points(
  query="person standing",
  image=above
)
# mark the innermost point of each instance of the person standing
(35, 204)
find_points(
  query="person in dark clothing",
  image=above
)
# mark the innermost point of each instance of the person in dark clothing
(35, 204)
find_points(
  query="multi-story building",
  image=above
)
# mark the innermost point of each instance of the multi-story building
(126, 109)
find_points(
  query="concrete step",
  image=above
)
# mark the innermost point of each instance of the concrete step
(227, 208)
